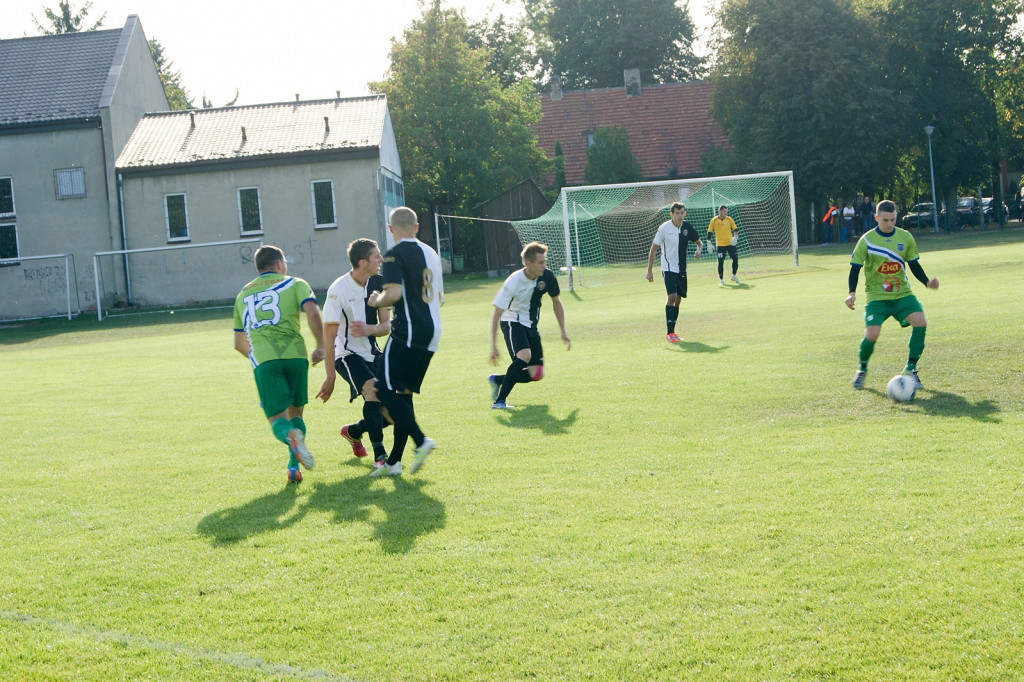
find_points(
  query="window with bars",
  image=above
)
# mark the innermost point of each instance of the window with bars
(323, 204)
(176, 217)
(8, 242)
(249, 210)
(69, 183)
(6, 197)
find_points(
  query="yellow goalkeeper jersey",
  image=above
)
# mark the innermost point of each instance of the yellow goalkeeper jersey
(723, 230)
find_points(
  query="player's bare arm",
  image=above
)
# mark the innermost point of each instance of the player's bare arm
(316, 325)
(556, 306)
(391, 295)
(242, 343)
(495, 318)
(650, 262)
(327, 387)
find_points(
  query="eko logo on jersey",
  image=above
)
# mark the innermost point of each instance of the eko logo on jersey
(889, 268)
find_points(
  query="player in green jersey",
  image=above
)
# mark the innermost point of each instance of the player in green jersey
(267, 331)
(885, 254)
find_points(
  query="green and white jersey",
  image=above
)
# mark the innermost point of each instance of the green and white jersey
(884, 258)
(267, 310)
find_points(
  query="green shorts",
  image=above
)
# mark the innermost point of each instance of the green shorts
(899, 309)
(281, 384)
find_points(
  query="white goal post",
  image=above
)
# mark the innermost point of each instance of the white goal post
(598, 225)
(168, 266)
(43, 284)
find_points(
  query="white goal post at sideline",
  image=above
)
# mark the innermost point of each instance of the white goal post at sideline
(597, 225)
(70, 274)
(98, 280)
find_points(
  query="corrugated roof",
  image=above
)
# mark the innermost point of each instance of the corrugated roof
(669, 126)
(54, 78)
(169, 139)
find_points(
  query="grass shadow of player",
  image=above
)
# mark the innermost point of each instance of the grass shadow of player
(538, 417)
(944, 404)
(408, 511)
(261, 515)
(695, 347)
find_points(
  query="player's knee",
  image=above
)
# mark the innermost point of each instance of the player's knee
(537, 372)
(525, 356)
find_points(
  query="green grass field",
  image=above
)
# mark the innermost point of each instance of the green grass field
(728, 508)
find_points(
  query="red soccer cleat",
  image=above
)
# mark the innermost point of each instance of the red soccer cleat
(357, 447)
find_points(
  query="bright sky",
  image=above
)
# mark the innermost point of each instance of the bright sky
(270, 51)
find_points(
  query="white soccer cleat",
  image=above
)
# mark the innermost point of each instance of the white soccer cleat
(419, 455)
(735, 279)
(387, 470)
(297, 444)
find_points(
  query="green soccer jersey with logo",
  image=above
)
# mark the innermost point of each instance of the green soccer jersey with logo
(884, 258)
(267, 310)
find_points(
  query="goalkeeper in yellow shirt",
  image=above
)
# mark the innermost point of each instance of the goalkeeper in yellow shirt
(725, 233)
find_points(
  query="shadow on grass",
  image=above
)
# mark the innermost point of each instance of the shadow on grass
(408, 511)
(695, 347)
(537, 417)
(943, 404)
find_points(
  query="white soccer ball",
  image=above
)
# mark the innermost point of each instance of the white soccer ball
(901, 388)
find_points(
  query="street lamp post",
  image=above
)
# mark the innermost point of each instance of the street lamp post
(928, 130)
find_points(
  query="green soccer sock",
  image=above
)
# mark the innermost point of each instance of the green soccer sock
(866, 349)
(293, 461)
(281, 427)
(916, 344)
(298, 423)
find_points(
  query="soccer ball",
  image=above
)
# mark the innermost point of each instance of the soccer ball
(901, 388)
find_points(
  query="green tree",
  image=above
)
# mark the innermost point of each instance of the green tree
(66, 19)
(811, 99)
(462, 137)
(610, 158)
(513, 56)
(589, 44)
(177, 95)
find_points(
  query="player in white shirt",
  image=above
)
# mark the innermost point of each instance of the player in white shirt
(672, 237)
(350, 331)
(517, 311)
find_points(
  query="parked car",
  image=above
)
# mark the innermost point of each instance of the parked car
(967, 211)
(990, 209)
(921, 215)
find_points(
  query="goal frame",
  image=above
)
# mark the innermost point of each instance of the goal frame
(566, 191)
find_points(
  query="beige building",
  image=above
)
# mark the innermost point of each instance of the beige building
(306, 176)
(68, 104)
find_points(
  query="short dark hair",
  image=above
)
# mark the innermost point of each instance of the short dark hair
(885, 206)
(677, 205)
(359, 250)
(532, 250)
(723, 207)
(267, 256)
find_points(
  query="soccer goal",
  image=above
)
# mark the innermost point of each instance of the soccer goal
(592, 227)
(45, 285)
(171, 276)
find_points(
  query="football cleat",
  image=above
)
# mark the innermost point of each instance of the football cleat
(500, 405)
(387, 470)
(735, 279)
(357, 447)
(917, 380)
(297, 443)
(419, 455)
(294, 475)
(672, 338)
(858, 379)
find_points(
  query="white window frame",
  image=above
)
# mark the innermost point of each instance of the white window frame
(259, 206)
(334, 206)
(167, 219)
(12, 260)
(14, 210)
(69, 183)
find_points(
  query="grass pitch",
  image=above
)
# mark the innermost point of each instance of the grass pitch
(727, 508)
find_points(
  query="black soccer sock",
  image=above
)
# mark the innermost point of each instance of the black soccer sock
(374, 424)
(359, 428)
(524, 377)
(401, 410)
(511, 377)
(398, 447)
(721, 266)
(671, 315)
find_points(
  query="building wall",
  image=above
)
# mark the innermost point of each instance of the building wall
(218, 273)
(47, 225)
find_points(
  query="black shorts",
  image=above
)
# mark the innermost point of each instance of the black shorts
(356, 371)
(518, 337)
(731, 250)
(402, 368)
(675, 283)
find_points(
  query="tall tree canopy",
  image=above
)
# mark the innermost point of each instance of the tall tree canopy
(170, 77)
(66, 19)
(589, 44)
(610, 158)
(462, 136)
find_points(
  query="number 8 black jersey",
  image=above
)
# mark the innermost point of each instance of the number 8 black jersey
(417, 269)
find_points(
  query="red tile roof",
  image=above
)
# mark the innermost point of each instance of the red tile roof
(669, 125)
